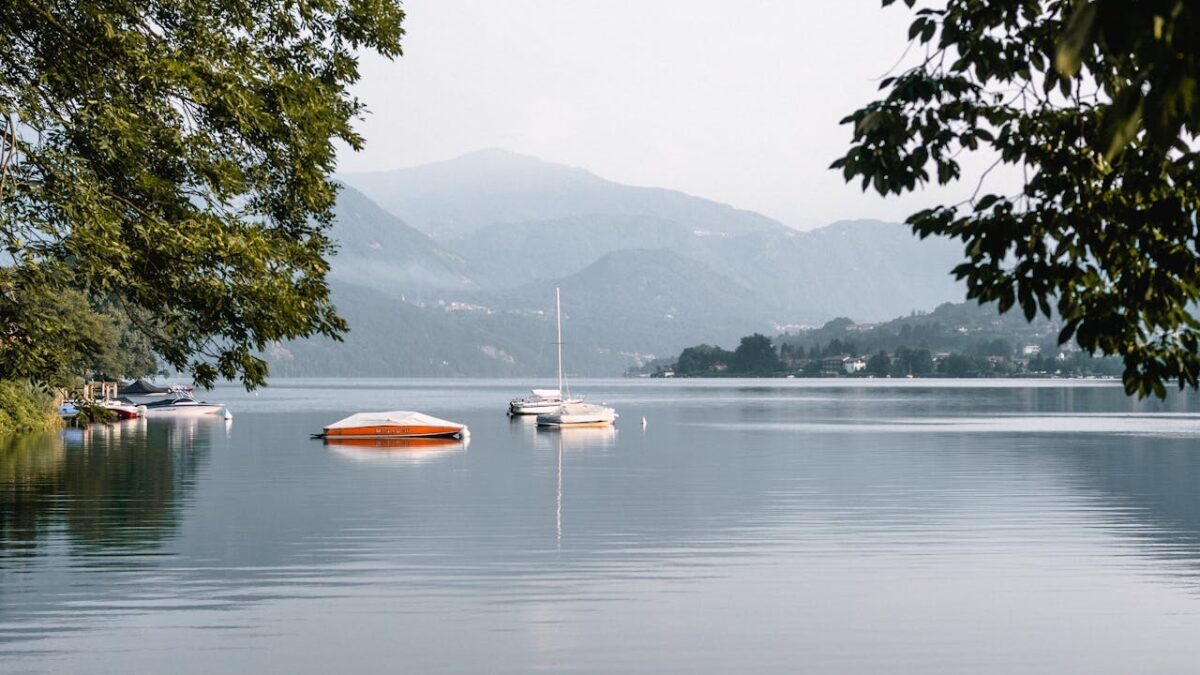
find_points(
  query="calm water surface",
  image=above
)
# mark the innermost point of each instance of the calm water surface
(752, 526)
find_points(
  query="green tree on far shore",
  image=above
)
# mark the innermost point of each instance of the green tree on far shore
(879, 365)
(702, 359)
(756, 354)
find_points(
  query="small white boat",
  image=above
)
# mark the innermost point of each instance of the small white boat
(393, 424)
(123, 409)
(578, 415)
(182, 406)
(539, 401)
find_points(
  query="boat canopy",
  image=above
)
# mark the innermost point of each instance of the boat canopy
(395, 417)
(546, 393)
(142, 387)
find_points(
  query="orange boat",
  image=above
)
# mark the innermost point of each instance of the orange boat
(411, 443)
(394, 424)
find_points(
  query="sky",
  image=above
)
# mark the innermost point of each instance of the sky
(733, 101)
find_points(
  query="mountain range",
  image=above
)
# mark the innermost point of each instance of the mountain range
(449, 269)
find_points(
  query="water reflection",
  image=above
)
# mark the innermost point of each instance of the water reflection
(571, 438)
(409, 451)
(1148, 490)
(884, 523)
(576, 438)
(109, 487)
(28, 467)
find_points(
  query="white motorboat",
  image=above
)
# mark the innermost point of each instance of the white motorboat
(123, 409)
(182, 406)
(578, 415)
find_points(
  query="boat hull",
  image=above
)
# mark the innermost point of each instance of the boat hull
(528, 407)
(399, 431)
(575, 425)
(197, 410)
(417, 443)
(515, 408)
(124, 412)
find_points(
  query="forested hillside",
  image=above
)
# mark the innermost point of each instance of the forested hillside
(456, 275)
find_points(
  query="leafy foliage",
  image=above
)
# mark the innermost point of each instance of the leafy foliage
(25, 407)
(54, 337)
(90, 412)
(170, 159)
(1096, 101)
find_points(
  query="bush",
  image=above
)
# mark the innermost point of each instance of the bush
(93, 413)
(25, 407)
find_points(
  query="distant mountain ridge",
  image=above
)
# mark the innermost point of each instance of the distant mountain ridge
(453, 272)
(459, 196)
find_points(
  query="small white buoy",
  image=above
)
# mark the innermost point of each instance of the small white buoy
(643, 422)
(228, 415)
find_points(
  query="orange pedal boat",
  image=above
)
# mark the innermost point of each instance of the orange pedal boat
(394, 424)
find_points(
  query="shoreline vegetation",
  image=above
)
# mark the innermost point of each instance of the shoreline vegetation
(954, 341)
(27, 408)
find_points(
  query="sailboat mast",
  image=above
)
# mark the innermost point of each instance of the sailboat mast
(558, 320)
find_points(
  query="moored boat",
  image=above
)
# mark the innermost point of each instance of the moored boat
(393, 424)
(578, 415)
(124, 410)
(182, 406)
(539, 401)
(550, 406)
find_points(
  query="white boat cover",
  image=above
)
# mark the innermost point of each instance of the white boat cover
(578, 413)
(582, 409)
(395, 417)
(547, 393)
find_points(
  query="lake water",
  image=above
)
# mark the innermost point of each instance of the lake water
(753, 526)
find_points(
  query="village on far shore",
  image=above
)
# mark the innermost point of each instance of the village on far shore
(961, 340)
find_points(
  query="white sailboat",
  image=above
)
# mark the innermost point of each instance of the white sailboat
(543, 401)
(573, 412)
(538, 402)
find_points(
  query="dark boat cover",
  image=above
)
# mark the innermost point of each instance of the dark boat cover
(143, 388)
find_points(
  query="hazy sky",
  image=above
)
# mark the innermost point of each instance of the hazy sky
(734, 101)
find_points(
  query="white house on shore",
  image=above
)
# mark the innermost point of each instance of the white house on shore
(854, 364)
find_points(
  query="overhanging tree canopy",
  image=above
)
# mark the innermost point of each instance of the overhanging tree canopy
(171, 158)
(1098, 102)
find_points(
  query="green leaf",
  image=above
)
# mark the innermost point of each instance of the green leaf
(1122, 121)
(1075, 38)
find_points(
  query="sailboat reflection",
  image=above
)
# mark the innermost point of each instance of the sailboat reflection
(397, 450)
(576, 438)
(571, 438)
